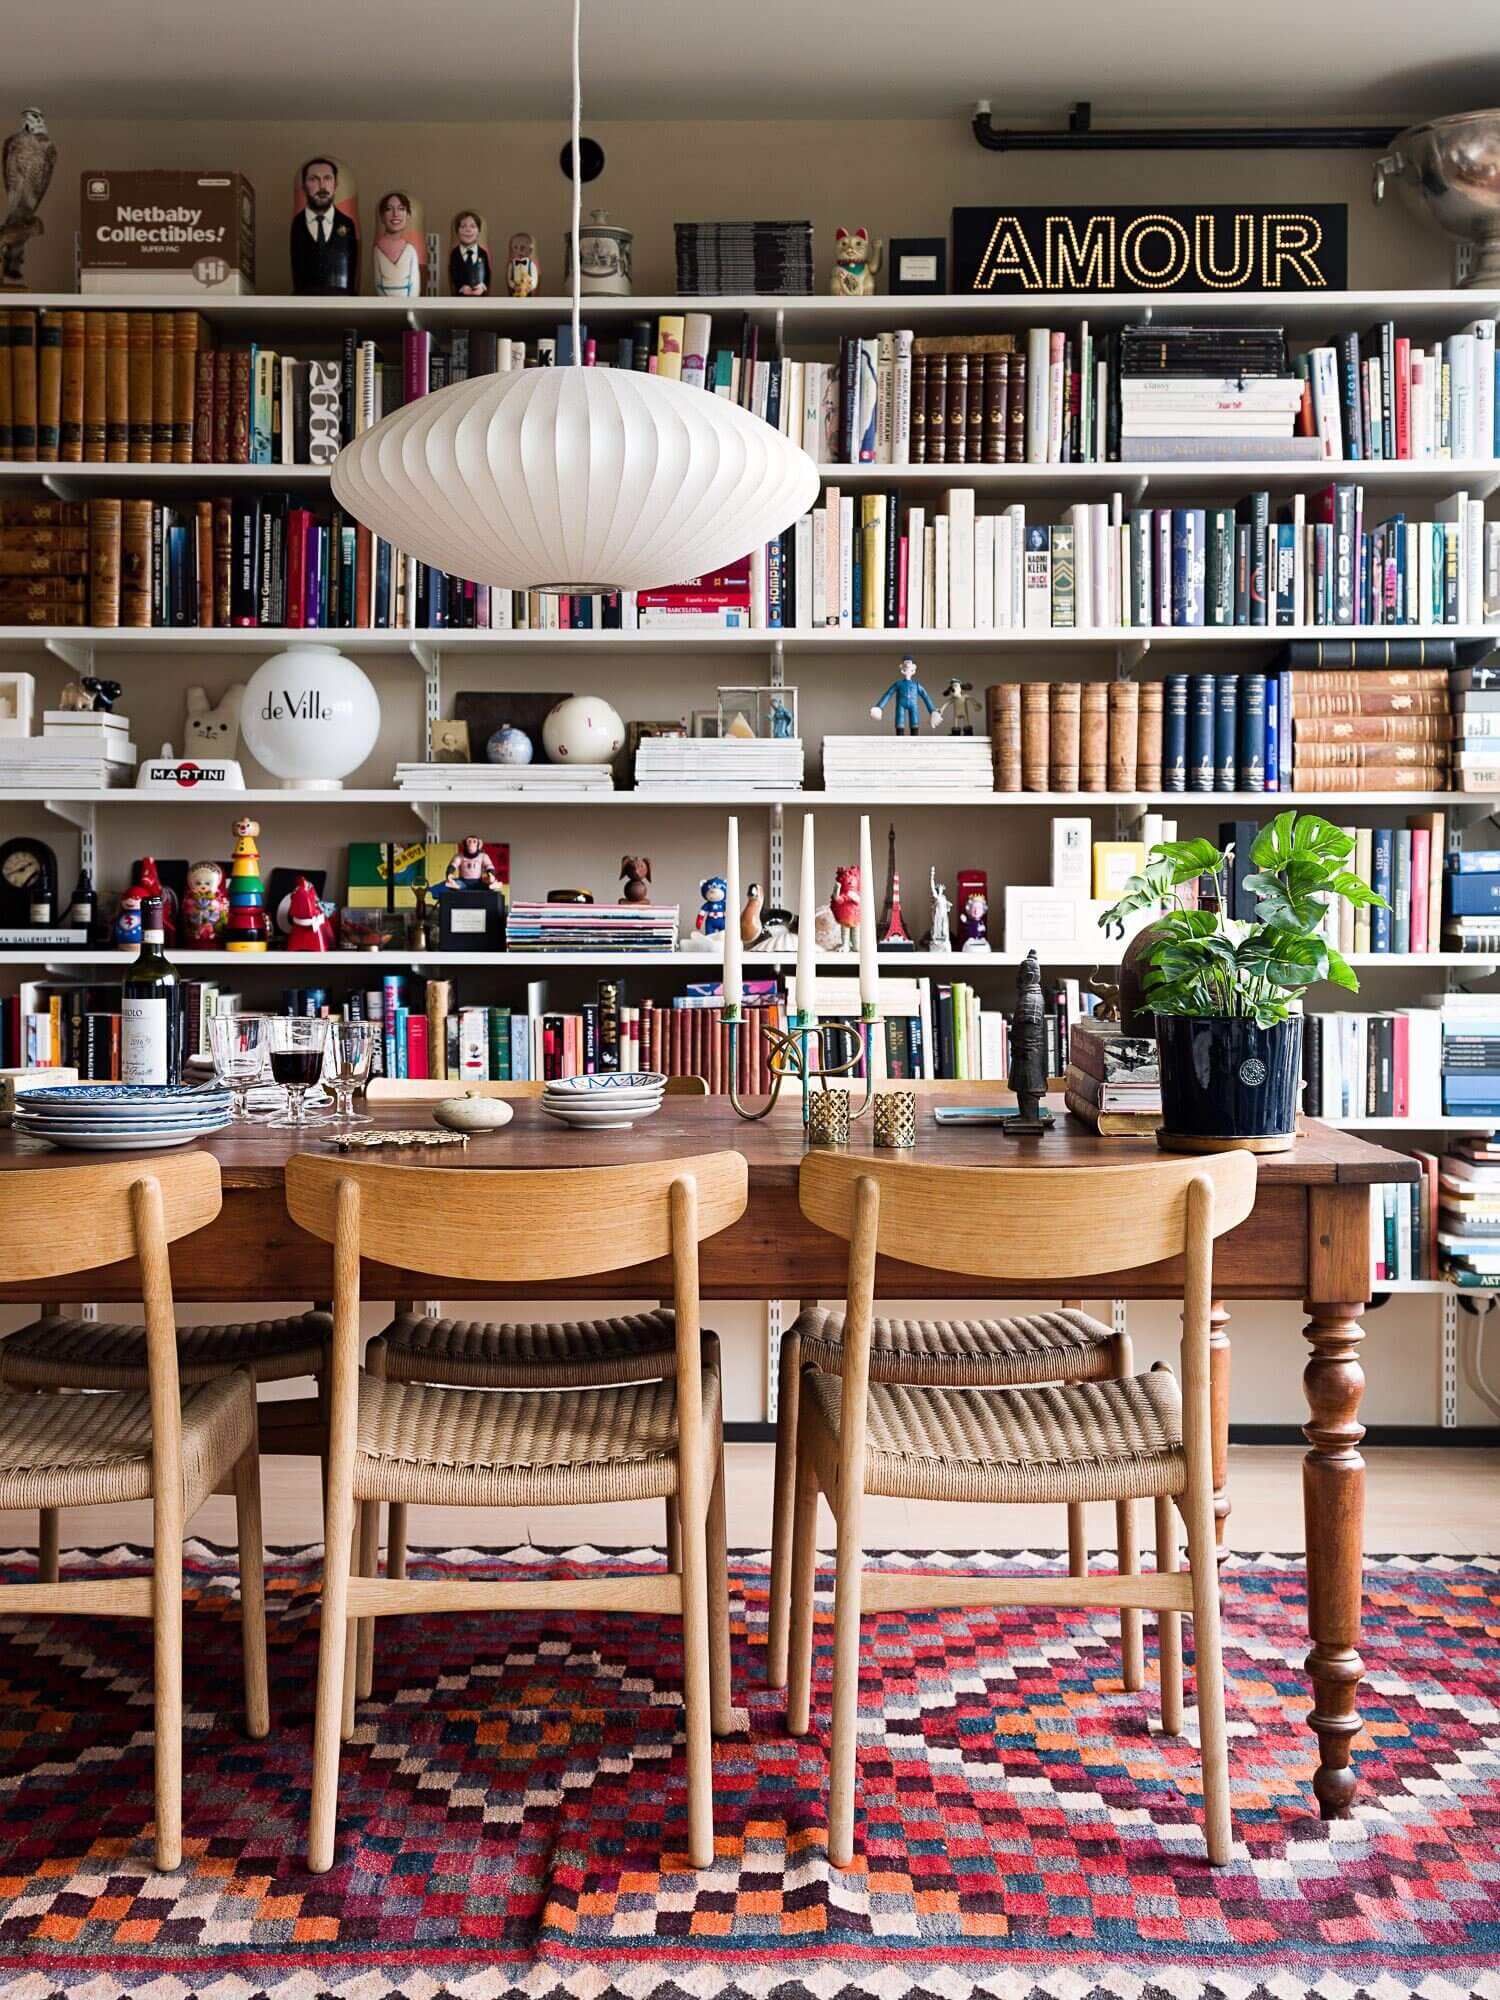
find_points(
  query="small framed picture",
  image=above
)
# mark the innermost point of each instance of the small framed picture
(17, 703)
(919, 264)
(706, 722)
(450, 742)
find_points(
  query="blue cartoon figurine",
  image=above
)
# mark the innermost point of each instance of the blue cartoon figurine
(906, 692)
(781, 719)
(713, 889)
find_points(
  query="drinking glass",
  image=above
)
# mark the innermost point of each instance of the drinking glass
(346, 1065)
(297, 1043)
(239, 1044)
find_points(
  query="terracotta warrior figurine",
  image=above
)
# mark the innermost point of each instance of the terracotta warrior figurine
(1028, 1053)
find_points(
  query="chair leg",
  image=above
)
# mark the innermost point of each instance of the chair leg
(848, 1584)
(252, 1592)
(369, 1528)
(166, 1620)
(674, 1535)
(697, 1700)
(725, 1721)
(395, 1539)
(48, 1522)
(1169, 1623)
(333, 1646)
(1208, 1666)
(1132, 1646)
(802, 1584)
(783, 1508)
(1078, 1539)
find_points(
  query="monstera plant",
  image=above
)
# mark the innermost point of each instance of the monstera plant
(1226, 994)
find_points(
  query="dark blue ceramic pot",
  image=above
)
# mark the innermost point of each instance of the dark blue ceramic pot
(1228, 1080)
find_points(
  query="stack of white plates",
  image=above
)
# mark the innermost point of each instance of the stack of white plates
(609, 1100)
(121, 1117)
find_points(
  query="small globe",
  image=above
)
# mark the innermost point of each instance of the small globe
(509, 745)
(582, 730)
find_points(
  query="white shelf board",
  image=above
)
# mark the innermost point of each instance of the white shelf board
(365, 639)
(814, 316)
(1414, 1285)
(1414, 1124)
(1438, 477)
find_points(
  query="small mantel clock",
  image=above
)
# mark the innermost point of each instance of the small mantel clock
(28, 882)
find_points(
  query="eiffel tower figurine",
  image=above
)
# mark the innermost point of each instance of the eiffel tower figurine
(893, 935)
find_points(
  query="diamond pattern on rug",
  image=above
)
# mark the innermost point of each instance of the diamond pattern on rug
(511, 1809)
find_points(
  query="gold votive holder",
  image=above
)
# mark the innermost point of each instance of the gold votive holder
(828, 1118)
(896, 1119)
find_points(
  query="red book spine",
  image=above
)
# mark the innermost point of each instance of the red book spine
(901, 560)
(416, 362)
(1400, 1066)
(296, 565)
(416, 1046)
(1421, 862)
(203, 406)
(1403, 397)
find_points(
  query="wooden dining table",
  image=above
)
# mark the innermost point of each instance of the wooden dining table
(1307, 1238)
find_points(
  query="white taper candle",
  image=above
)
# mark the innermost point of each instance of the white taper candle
(806, 925)
(734, 971)
(869, 972)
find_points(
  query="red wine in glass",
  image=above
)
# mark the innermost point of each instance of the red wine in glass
(298, 1069)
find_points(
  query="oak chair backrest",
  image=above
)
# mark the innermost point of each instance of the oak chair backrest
(1026, 1223)
(66, 1219)
(518, 1226)
(429, 1090)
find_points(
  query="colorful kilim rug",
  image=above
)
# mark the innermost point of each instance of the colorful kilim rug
(512, 1823)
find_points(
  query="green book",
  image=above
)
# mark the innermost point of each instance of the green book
(1063, 611)
(499, 1044)
(1218, 595)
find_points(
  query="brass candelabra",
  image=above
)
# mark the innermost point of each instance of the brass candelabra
(790, 1049)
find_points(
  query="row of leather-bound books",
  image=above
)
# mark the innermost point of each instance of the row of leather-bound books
(1076, 736)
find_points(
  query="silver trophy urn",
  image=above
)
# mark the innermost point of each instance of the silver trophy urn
(1451, 166)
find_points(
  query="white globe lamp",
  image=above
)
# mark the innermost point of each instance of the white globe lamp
(310, 717)
(582, 730)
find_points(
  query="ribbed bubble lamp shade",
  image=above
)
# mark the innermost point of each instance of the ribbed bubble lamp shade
(574, 478)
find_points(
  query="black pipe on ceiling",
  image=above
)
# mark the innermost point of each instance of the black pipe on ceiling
(1079, 136)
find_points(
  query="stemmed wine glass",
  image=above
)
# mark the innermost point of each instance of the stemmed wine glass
(239, 1044)
(297, 1043)
(346, 1065)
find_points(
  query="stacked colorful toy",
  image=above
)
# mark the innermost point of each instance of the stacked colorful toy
(248, 927)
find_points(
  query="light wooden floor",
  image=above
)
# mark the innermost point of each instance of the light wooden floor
(1440, 1502)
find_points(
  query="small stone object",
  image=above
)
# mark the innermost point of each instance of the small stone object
(473, 1112)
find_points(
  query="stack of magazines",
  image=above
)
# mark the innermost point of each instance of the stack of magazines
(1209, 392)
(740, 258)
(925, 763)
(725, 763)
(613, 927)
(468, 780)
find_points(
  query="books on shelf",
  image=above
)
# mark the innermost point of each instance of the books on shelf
(1470, 1027)
(622, 927)
(925, 763)
(466, 779)
(1468, 1212)
(740, 259)
(1113, 1080)
(1387, 1065)
(727, 763)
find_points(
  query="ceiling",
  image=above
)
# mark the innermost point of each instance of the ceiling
(846, 59)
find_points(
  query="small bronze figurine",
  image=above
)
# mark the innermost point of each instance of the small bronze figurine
(1028, 1054)
(635, 879)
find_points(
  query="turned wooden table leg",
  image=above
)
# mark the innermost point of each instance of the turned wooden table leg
(1333, 1500)
(1218, 1395)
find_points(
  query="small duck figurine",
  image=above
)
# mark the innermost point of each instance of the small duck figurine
(751, 931)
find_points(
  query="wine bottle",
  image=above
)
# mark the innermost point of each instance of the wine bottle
(151, 1009)
(81, 909)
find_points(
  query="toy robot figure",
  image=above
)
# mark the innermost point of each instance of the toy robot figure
(712, 890)
(907, 691)
(958, 708)
(781, 719)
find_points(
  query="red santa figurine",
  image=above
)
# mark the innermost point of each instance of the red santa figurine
(311, 930)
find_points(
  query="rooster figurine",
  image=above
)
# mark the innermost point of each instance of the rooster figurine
(311, 930)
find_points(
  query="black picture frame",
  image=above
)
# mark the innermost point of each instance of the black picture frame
(471, 920)
(916, 250)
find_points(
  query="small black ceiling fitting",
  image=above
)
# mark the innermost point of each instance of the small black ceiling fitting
(590, 156)
(1080, 136)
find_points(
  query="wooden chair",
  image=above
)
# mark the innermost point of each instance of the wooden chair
(428, 1090)
(490, 1354)
(1102, 1440)
(414, 1443)
(156, 1444)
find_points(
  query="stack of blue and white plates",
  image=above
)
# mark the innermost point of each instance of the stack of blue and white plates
(610, 1099)
(121, 1117)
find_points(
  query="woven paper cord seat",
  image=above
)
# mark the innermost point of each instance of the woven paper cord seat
(1066, 1346)
(86, 1451)
(59, 1353)
(1093, 1441)
(494, 1354)
(525, 1448)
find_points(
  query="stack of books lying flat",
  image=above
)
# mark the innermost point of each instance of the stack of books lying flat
(726, 763)
(1112, 1081)
(738, 258)
(78, 750)
(1201, 392)
(464, 780)
(1469, 1212)
(614, 927)
(920, 763)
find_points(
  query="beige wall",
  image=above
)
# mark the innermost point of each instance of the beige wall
(898, 179)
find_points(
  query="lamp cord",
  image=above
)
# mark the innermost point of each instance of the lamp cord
(577, 355)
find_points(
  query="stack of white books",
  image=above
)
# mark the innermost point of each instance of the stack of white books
(78, 750)
(920, 763)
(726, 763)
(468, 780)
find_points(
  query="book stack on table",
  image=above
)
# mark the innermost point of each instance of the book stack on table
(1113, 1080)
(1469, 1213)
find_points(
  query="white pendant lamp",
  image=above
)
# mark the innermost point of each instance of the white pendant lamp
(574, 478)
